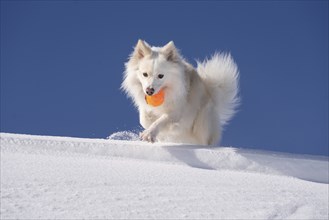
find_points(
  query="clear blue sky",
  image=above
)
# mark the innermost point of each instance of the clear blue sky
(62, 64)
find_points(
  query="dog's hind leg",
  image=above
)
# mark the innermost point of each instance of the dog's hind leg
(206, 127)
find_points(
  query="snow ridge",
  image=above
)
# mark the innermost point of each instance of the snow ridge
(306, 167)
(73, 178)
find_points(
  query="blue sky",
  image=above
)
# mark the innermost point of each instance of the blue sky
(62, 64)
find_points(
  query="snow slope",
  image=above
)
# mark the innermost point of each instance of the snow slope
(71, 178)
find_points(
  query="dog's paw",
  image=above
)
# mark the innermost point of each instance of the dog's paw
(148, 135)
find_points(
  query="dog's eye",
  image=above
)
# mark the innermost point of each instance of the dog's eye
(145, 75)
(160, 76)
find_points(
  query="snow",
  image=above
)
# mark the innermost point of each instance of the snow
(46, 177)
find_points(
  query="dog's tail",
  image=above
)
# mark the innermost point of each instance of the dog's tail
(221, 77)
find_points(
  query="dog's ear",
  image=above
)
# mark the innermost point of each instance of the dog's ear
(170, 51)
(142, 49)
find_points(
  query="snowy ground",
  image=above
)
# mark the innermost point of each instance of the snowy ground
(71, 178)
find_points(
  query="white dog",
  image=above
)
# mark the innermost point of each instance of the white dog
(195, 103)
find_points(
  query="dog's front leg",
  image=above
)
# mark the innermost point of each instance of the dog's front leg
(150, 133)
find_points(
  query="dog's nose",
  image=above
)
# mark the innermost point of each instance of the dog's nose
(149, 91)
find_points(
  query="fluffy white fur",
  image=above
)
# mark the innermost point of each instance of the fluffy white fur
(198, 102)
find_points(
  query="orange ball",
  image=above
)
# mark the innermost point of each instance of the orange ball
(156, 99)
